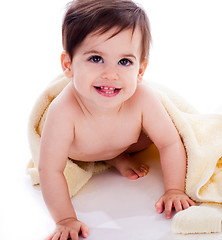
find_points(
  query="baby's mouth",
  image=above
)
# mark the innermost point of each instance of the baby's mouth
(107, 91)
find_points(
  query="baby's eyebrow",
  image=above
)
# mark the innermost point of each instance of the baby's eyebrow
(129, 55)
(92, 52)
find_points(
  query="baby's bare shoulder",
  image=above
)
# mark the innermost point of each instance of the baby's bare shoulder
(145, 93)
(63, 107)
(148, 99)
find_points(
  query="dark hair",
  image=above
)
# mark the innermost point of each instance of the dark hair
(86, 16)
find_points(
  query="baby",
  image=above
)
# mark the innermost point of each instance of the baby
(106, 112)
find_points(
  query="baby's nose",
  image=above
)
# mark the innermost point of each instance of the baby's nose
(110, 73)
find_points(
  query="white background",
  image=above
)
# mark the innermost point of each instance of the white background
(186, 56)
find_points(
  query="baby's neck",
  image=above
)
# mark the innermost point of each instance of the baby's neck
(91, 109)
(98, 112)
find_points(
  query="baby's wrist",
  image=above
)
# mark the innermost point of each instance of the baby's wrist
(66, 219)
(174, 189)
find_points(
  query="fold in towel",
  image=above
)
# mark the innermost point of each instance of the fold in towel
(202, 138)
(198, 219)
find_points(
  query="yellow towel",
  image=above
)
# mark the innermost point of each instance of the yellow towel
(202, 138)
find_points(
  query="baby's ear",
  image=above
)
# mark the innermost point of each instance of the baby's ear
(66, 64)
(142, 70)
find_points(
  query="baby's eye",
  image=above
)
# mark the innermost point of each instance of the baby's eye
(125, 62)
(96, 59)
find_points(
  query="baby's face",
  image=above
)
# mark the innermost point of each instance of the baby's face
(106, 70)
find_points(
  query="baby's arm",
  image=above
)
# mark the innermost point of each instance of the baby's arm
(58, 134)
(163, 133)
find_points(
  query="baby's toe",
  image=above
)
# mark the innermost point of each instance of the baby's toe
(131, 174)
(142, 170)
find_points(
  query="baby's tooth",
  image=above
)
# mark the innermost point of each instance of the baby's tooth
(106, 88)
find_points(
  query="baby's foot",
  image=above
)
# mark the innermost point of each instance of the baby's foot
(128, 167)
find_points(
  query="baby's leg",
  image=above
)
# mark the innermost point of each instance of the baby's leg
(126, 165)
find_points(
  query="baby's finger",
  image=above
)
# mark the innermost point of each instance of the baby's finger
(56, 236)
(85, 230)
(64, 236)
(191, 203)
(159, 205)
(74, 235)
(185, 203)
(168, 209)
(177, 205)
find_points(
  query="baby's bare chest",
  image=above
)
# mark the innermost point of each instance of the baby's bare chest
(98, 140)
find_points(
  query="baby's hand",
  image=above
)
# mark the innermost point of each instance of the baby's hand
(69, 228)
(173, 198)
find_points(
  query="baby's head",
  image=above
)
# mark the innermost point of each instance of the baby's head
(84, 17)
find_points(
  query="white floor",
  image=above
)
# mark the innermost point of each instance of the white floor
(185, 56)
(112, 206)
